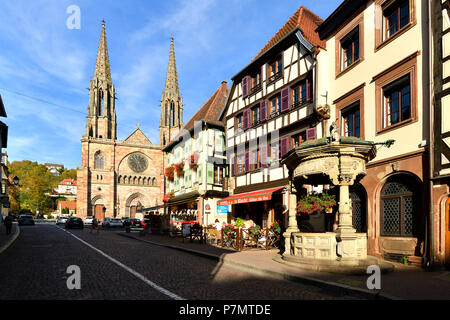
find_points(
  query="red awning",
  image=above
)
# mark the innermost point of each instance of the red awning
(255, 196)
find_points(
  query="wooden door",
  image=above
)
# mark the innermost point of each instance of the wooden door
(132, 212)
(99, 214)
(447, 233)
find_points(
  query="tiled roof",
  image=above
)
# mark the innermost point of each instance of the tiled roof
(71, 205)
(70, 181)
(308, 22)
(212, 108)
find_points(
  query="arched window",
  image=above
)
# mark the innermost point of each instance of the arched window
(100, 104)
(99, 160)
(398, 209)
(154, 182)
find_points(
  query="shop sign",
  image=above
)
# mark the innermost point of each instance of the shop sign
(266, 197)
(223, 209)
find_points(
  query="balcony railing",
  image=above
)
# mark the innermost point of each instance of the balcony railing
(275, 77)
(256, 89)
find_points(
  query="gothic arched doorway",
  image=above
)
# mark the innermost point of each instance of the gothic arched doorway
(98, 208)
(134, 202)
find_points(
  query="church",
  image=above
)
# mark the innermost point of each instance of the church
(118, 177)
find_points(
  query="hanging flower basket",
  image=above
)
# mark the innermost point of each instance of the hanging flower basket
(170, 173)
(179, 169)
(168, 196)
(193, 160)
(312, 203)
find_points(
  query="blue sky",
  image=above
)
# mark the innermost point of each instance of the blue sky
(45, 67)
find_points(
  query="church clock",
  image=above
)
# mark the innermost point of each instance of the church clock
(137, 162)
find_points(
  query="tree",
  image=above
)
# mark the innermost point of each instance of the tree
(35, 182)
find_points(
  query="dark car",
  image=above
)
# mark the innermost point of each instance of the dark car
(25, 219)
(136, 223)
(74, 223)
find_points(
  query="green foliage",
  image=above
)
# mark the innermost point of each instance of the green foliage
(240, 222)
(35, 182)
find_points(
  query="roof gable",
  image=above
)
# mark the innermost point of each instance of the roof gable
(138, 137)
(304, 19)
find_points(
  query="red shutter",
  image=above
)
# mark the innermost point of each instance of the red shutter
(247, 161)
(311, 134)
(263, 110)
(245, 87)
(263, 151)
(246, 119)
(233, 166)
(309, 87)
(285, 145)
(285, 99)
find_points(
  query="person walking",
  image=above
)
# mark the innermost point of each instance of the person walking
(95, 225)
(8, 223)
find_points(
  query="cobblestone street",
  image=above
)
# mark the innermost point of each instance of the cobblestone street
(114, 267)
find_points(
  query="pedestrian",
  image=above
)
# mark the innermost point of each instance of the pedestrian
(95, 225)
(8, 223)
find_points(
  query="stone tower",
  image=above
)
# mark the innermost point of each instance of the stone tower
(101, 119)
(171, 103)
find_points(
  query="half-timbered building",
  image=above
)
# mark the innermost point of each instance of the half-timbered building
(272, 107)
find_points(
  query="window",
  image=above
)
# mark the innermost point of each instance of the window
(299, 94)
(397, 101)
(240, 164)
(218, 175)
(275, 69)
(99, 161)
(393, 18)
(351, 121)
(255, 160)
(274, 153)
(396, 16)
(275, 106)
(397, 209)
(350, 49)
(256, 115)
(255, 82)
(298, 138)
(239, 121)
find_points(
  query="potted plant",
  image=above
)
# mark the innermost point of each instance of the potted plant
(193, 160)
(179, 168)
(240, 223)
(276, 227)
(170, 173)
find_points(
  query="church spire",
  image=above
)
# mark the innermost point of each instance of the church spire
(102, 70)
(171, 102)
(172, 87)
(101, 120)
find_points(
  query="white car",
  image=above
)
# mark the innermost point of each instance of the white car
(62, 220)
(88, 220)
(112, 222)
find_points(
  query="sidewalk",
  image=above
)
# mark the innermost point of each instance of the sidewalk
(405, 282)
(7, 240)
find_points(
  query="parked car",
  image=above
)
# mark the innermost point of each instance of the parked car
(88, 220)
(136, 223)
(74, 223)
(25, 219)
(62, 220)
(112, 222)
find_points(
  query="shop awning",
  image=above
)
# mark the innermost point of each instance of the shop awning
(255, 196)
(184, 198)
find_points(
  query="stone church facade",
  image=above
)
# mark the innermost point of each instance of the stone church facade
(117, 177)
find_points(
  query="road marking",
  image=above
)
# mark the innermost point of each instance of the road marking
(133, 272)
